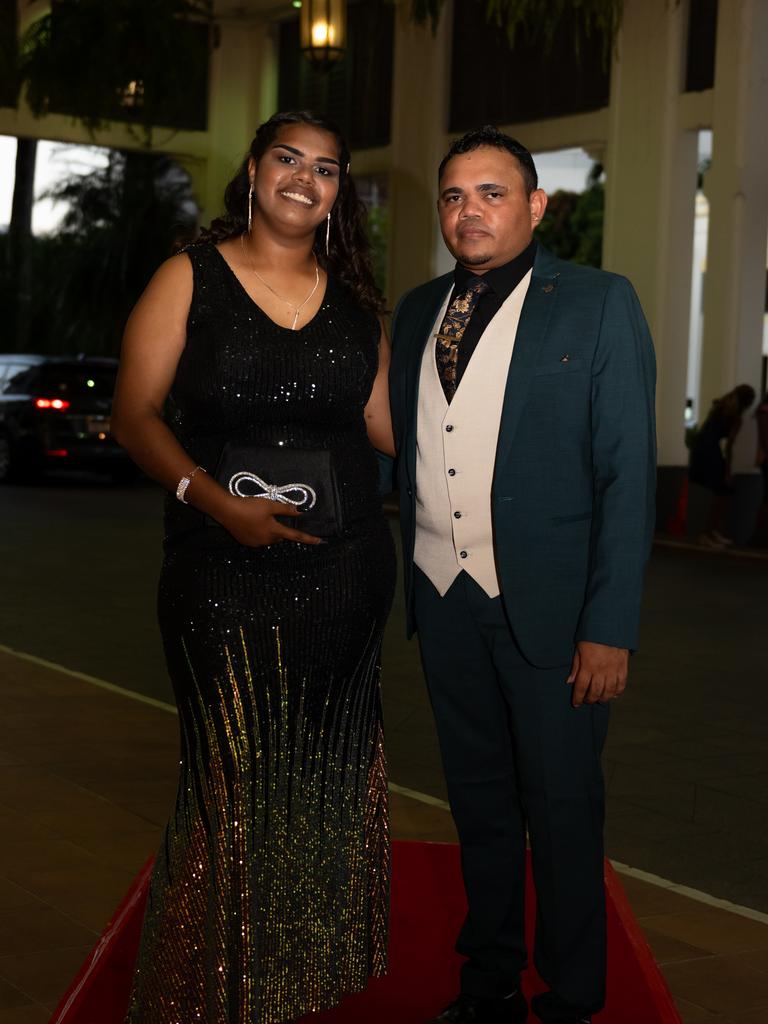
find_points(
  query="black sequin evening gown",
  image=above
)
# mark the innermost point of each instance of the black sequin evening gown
(270, 892)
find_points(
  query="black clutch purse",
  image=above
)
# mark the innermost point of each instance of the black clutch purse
(300, 477)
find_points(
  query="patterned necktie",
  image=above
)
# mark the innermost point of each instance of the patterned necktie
(448, 337)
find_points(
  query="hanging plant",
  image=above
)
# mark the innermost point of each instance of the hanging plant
(143, 62)
(539, 22)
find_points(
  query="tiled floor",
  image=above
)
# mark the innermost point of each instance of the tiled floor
(86, 779)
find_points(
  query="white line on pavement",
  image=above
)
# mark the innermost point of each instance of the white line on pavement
(692, 894)
(101, 683)
(413, 794)
(423, 798)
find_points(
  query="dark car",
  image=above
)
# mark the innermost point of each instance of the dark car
(54, 412)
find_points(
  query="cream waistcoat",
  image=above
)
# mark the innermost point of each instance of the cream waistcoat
(456, 454)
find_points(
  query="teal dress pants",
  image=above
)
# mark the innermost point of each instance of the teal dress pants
(519, 759)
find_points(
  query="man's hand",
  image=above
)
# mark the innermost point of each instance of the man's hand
(598, 672)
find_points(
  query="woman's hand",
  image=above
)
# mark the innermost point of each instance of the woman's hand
(252, 522)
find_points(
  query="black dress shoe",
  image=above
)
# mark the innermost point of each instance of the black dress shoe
(565, 1019)
(551, 1010)
(467, 1009)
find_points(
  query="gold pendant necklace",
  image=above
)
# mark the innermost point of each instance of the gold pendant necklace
(277, 295)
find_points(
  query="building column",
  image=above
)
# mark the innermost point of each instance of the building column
(736, 186)
(650, 205)
(420, 96)
(243, 94)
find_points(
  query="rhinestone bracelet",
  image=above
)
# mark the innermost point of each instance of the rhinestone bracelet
(183, 484)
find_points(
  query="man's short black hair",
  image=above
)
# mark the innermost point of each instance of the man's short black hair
(488, 135)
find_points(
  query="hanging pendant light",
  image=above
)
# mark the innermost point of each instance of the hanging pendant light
(323, 27)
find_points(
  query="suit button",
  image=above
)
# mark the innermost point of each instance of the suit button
(463, 554)
(457, 515)
(449, 428)
(409, 492)
(451, 472)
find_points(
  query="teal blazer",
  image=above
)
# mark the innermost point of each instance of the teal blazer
(575, 478)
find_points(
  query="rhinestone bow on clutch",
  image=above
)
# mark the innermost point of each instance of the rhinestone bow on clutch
(302, 477)
(304, 496)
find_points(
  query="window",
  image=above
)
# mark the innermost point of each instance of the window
(18, 379)
(702, 42)
(174, 85)
(493, 84)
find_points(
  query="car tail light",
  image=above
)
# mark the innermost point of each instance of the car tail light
(52, 403)
(59, 453)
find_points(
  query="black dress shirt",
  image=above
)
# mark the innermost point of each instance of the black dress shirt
(502, 282)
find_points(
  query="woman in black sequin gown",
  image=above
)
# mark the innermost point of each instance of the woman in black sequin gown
(269, 895)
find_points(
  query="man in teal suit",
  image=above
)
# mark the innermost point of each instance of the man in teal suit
(522, 392)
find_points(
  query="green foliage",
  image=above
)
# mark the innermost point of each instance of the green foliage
(81, 57)
(122, 222)
(538, 21)
(423, 11)
(572, 227)
(701, 171)
(377, 226)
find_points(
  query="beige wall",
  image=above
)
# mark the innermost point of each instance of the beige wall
(651, 165)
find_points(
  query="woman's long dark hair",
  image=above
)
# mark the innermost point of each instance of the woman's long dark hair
(349, 256)
(731, 407)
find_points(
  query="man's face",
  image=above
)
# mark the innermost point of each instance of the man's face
(485, 215)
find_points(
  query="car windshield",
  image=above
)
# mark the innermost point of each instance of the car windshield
(72, 382)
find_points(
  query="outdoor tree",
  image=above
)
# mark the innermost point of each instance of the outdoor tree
(121, 221)
(572, 227)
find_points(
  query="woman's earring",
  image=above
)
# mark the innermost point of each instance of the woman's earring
(250, 207)
(328, 235)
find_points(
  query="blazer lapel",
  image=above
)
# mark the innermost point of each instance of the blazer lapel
(537, 309)
(419, 337)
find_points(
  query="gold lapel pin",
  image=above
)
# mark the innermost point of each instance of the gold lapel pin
(548, 288)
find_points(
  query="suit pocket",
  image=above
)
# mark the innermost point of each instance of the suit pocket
(572, 366)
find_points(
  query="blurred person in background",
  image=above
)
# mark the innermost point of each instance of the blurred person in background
(761, 415)
(709, 467)
(746, 480)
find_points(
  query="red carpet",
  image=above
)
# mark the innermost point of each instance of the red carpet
(427, 909)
